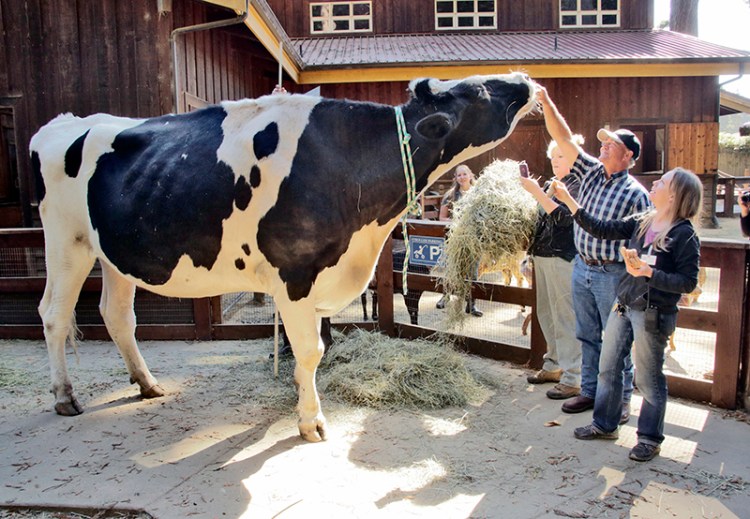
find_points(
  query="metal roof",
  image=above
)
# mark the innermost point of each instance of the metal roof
(644, 46)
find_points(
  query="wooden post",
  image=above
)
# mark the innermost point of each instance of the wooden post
(202, 317)
(384, 275)
(730, 315)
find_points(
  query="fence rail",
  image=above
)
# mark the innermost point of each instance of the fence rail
(203, 321)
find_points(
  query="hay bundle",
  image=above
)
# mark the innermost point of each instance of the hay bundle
(373, 370)
(491, 224)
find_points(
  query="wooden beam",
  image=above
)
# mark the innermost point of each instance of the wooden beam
(367, 74)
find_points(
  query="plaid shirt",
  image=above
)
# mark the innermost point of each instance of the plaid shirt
(605, 198)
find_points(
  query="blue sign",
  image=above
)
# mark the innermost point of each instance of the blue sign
(425, 250)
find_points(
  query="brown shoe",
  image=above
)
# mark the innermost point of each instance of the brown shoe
(563, 391)
(542, 376)
(578, 405)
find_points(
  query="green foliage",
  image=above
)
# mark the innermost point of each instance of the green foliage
(731, 142)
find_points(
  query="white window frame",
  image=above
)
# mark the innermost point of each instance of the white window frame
(598, 12)
(455, 15)
(329, 20)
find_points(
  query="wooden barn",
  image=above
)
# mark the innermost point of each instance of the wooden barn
(603, 66)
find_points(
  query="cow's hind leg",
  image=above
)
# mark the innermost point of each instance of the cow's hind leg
(303, 329)
(116, 307)
(68, 265)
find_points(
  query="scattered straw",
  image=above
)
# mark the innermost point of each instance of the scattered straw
(491, 224)
(371, 369)
(11, 376)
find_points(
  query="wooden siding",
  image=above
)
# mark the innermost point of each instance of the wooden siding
(114, 56)
(417, 16)
(587, 105)
(694, 146)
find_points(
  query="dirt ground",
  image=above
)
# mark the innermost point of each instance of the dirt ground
(224, 444)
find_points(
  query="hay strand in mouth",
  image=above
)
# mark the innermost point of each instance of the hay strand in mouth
(491, 224)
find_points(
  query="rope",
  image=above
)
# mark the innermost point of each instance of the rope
(411, 187)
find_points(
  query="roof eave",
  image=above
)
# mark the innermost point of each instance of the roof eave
(558, 69)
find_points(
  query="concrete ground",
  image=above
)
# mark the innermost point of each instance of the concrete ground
(217, 446)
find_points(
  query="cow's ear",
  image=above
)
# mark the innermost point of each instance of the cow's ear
(435, 126)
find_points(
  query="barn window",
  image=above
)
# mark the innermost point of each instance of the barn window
(589, 13)
(465, 14)
(336, 17)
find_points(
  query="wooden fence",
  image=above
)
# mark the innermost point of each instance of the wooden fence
(200, 319)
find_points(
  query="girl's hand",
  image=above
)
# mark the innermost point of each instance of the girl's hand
(643, 270)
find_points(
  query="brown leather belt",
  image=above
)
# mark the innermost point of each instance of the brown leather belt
(598, 263)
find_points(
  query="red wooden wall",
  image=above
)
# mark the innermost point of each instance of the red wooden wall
(417, 16)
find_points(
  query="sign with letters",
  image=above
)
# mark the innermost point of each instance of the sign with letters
(425, 250)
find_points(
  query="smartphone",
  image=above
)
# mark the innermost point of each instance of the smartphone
(524, 169)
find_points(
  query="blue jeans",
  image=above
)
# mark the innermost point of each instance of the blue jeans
(594, 294)
(624, 331)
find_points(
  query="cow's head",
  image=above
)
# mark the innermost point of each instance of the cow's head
(476, 112)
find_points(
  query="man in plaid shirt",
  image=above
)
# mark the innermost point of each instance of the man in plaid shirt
(607, 192)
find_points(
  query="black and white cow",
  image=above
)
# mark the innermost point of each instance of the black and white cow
(289, 195)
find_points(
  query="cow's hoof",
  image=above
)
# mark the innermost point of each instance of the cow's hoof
(154, 391)
(314, 431)
(69, 408)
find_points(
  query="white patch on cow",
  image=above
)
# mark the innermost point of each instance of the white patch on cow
(438, 86)
(184, 156)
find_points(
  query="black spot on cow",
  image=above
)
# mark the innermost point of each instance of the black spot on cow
(316, 212)
(74, 156)
(246, 249)
(36, 170)
(266, 141)
(348, 172)
(254, 177)
(162, 193)
(239, 263)
(242, 194)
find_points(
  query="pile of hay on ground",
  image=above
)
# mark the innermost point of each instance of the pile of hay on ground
(372, 370)
(491, 224)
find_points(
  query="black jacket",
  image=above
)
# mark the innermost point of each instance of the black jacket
(553, 235)
(676, 269)
(745, 225)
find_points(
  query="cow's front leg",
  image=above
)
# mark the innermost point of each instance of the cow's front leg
(303, 329)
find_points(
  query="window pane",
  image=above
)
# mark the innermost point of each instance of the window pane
(341, 25)
(362, 25)
(484, 6)
(568, 5)
(589, 19)
(466, 21)
(340, 10)
(568, 20)
(316, 10)
(445, 7)
(486, 21)
(609, 5)
(465, 7)
(317, 26)
(361, 9)
(588, 5)
(609, 19)
(445, 22)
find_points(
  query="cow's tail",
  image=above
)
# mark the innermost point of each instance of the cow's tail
(74, 335)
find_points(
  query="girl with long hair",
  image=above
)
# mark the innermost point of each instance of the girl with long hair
(662, 262)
